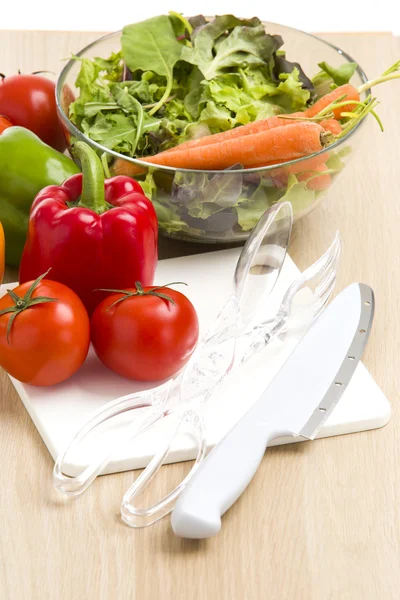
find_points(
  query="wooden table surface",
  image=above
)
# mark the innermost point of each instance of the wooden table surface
(320, 520)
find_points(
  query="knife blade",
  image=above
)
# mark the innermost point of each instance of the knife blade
(297, 402)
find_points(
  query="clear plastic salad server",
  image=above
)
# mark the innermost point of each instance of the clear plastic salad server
(304, 299)
(256, 273)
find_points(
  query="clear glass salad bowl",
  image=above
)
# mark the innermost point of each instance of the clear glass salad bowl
(224, 206)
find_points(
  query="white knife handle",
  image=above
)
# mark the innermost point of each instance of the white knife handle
(222, 477)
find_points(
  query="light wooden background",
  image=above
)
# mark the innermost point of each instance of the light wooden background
(320, 520)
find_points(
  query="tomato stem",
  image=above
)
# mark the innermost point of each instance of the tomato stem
(21, 304)
(40, 72)
(141, 292)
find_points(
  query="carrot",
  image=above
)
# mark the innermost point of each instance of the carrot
(283, 143)
(120, 166)
(308, 164)
(331, 125)
(315, 182)
(254, 127)
(347, 90)
(249, 129)
(304, 169)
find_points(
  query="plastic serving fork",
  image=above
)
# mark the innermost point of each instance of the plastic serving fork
(256, 273)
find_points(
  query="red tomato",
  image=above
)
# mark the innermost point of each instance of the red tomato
(4, 123)
(30, 101)
(145, 337)
(47, 342)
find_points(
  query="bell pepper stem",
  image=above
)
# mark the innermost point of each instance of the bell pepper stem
(93, 195)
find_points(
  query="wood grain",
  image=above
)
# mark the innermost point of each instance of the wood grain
(320, 521)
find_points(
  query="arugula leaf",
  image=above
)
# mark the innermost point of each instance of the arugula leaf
(91, 109)
(152, 43)
(181, 26)
(113, 131)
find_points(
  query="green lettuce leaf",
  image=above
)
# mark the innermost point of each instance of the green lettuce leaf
(204, 196)
(252, 208)
(298, 194)
(227, 42)
(256, 84)
(149, 186)
(112, 67)
(291, 94)
(197, 21)
(194, 92)
(217, 117)
(282, 65)
(339, 75)
(168, 218)
(330, 77)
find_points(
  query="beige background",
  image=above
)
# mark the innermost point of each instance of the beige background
(320, 520)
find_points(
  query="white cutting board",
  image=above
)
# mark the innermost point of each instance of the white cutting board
(60, 410)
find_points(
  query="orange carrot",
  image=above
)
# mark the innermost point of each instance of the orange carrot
(316, 183)
(347, 90)
(303, 169)
(249, 129)
(307, 164)
(283, 143)
(254, 127)
(331, 125)
(120, 166)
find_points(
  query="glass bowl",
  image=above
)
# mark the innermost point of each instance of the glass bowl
(224, 206)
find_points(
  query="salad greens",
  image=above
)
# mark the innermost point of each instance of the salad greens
(154, 43)
(331, 77)
(176, 79)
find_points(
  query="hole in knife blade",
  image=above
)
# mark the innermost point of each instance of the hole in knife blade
(322, 409)
(367, 303)
(338, 383)
(352, 357)
(362, 331)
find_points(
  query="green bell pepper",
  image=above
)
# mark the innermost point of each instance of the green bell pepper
(27, 165)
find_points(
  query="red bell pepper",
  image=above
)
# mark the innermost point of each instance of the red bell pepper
(92, 233)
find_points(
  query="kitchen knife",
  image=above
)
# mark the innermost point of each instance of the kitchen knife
(297, 402)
